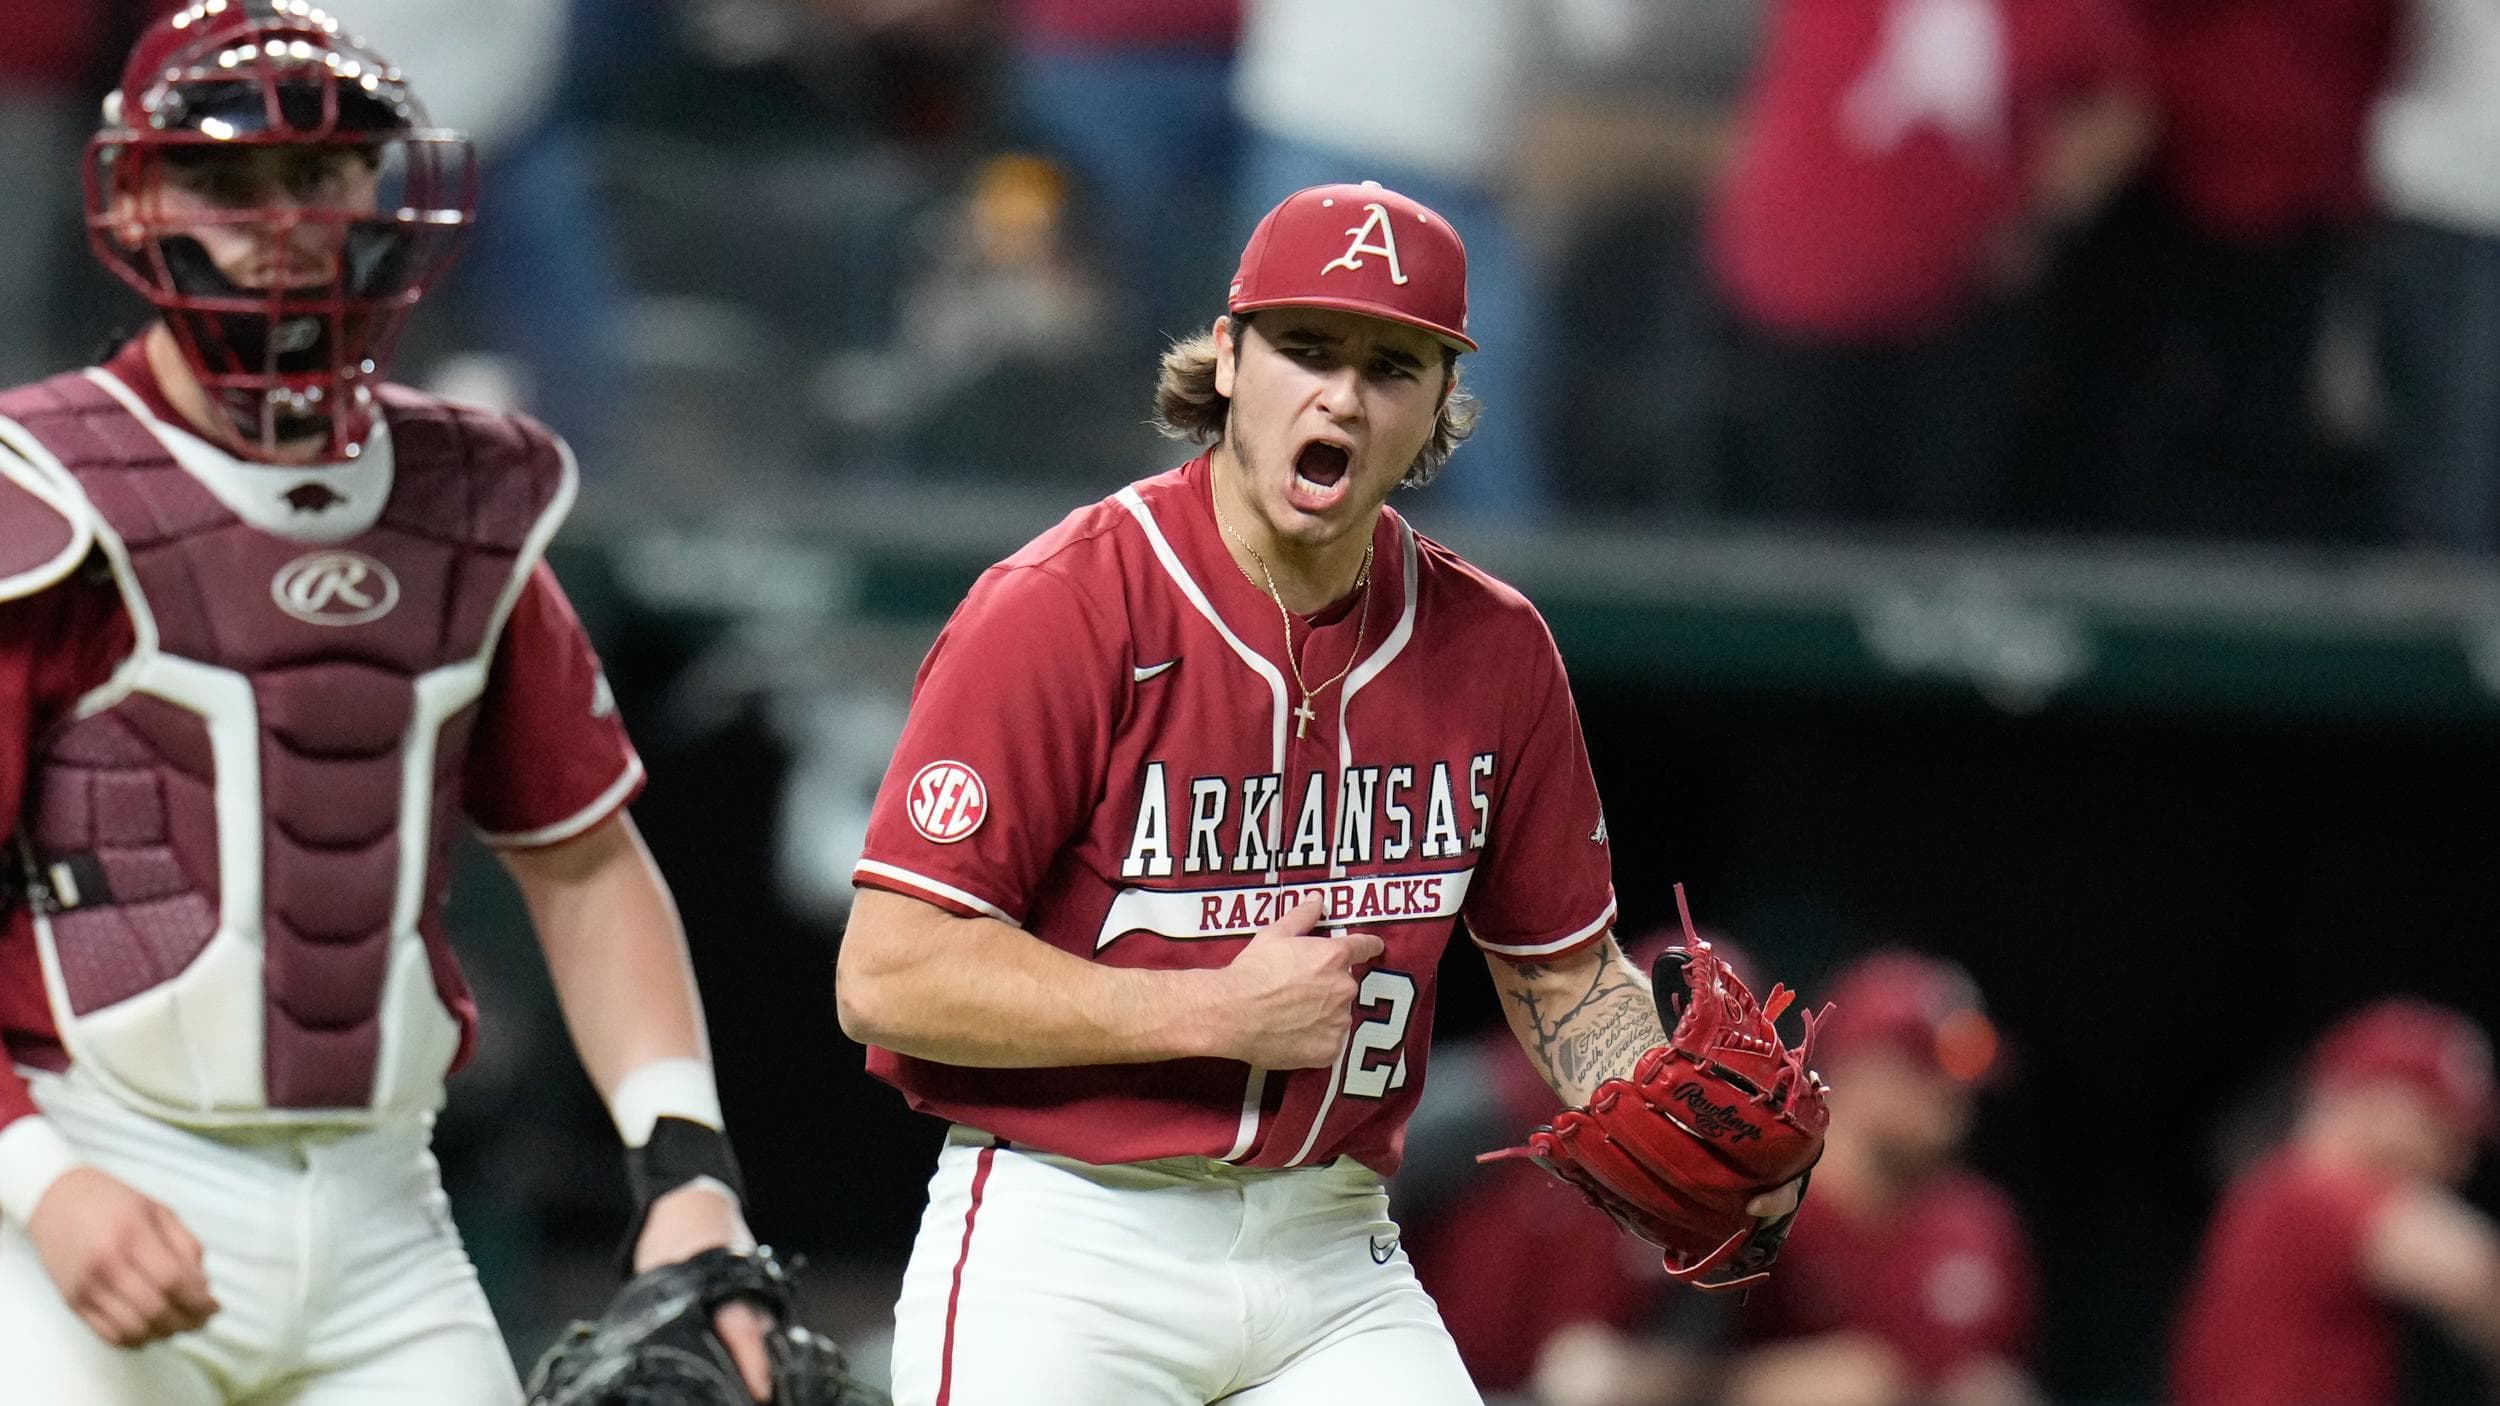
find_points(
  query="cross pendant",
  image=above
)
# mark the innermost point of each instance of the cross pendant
(1303, 716)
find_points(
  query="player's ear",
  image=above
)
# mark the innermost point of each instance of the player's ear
(1227, 355)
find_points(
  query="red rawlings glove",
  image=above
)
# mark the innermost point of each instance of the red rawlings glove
(1722, 1112)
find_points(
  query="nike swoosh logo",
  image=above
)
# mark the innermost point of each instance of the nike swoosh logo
(1145, 672)
(1381, 1252)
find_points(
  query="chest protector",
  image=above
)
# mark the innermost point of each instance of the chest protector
(247, 831)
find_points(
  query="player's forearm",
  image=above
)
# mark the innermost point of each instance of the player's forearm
(615, 951)
(2429, 1249)
(985, 994)
(1581, 1021)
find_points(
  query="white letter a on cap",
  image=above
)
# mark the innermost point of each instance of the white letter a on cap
(1387, 248)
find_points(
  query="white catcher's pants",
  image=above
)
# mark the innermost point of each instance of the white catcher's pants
(1044, 1281)
(339, 1277)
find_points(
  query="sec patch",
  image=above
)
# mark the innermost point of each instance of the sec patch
(947, 802)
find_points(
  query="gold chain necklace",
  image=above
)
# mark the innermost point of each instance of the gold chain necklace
(1303, 714)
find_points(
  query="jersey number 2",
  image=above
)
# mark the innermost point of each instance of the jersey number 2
(1375, 1062)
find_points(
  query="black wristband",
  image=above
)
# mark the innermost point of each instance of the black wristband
(678, 1151)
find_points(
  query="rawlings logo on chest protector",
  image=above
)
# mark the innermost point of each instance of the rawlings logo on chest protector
(335, 588)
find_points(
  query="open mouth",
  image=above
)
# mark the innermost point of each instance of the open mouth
(1320, 472)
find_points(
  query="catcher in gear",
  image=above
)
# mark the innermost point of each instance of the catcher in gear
(1721, 1115)
(326, 595)
(657, 1344)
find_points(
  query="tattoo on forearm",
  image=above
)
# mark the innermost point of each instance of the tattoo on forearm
(1584, 1031)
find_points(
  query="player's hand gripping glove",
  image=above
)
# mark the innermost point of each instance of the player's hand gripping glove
(1722, 1112)
(655, 1345)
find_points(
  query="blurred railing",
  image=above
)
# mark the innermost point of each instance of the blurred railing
(2023, 624)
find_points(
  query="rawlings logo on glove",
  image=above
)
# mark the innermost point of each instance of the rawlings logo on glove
(1721, 1113)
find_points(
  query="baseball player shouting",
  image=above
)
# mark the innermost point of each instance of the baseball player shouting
(272, 633)
(1194, 790)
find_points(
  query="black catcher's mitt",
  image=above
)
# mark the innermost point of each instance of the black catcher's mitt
(655, 1345)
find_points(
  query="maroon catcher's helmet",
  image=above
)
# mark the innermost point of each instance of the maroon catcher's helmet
(295, 353)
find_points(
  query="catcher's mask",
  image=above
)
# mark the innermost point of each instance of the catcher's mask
(274, 189)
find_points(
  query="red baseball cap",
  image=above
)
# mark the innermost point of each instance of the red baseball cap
(2439, 1052)
(1922, 1006)
(1358, 248)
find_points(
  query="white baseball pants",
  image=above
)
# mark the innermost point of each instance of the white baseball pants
(339, 1278)
(1043, 1281)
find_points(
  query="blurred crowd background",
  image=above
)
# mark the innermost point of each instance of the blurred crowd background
(2014, 480)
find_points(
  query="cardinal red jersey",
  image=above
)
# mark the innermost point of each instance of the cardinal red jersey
(1945, 1279)
(1105, 749)
(2280, 1313)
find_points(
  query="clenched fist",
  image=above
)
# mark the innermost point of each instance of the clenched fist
(123, 1263)
(1287, 999)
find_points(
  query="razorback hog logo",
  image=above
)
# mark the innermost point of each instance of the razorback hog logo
(947, 801)
(313, 498)
(335, 588)
(1715, 1121)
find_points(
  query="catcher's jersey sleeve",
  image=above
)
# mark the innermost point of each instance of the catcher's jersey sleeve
(550, 758)
(55, 645)
(1545, 886)
(1001, 761)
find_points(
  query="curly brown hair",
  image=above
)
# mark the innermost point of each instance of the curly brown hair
(1188, 407)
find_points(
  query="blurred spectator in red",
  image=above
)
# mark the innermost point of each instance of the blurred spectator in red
(2315, 1247)
(2199, 322)
(1900, 169)
(49, 85)
(1908, 1278)
(2435, 158)
(1135, 97)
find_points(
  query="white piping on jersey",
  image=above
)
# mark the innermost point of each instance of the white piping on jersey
(1371, 669)
(34, 469)
(1540, 949)
(1368, 670)
(1128, 498)
(256, 492)
(573, 824)
(922, 881)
